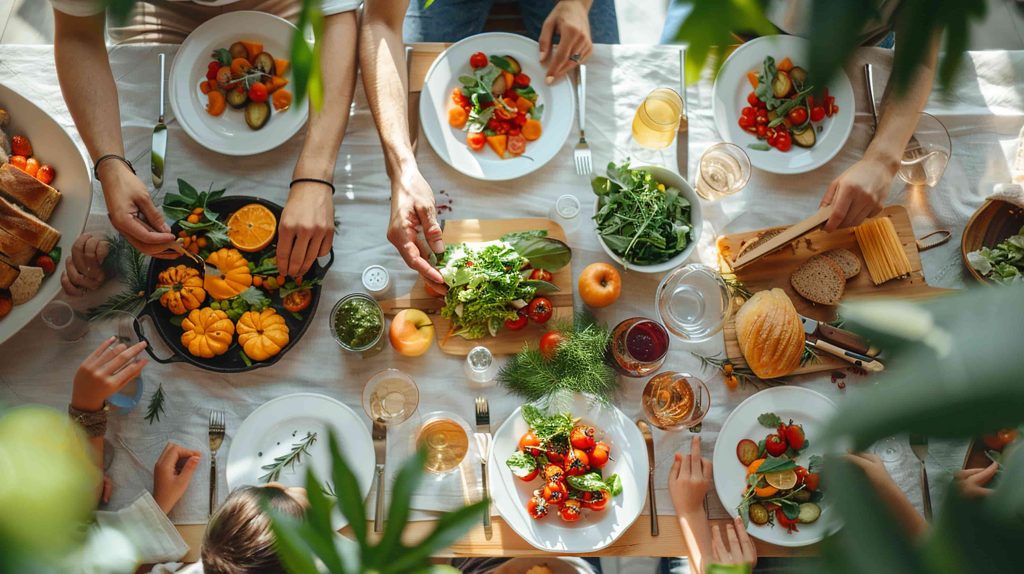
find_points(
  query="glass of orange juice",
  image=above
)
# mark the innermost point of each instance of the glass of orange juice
(657, 119)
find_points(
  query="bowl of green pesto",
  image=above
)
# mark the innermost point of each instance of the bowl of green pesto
(357, 322)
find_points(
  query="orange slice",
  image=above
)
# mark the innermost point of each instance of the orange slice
(252, 228)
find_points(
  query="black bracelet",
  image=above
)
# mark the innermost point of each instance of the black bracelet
(311, 180)
(96, 166)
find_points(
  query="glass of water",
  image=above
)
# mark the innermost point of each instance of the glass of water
(724, 169)
(123, 324)
(480, 366)
(391, 396)
(69, 324)
(693, 302)
(926, 156)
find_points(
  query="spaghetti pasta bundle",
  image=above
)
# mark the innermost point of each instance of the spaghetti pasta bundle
(882, 250)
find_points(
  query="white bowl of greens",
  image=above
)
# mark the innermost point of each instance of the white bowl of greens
(641, 226)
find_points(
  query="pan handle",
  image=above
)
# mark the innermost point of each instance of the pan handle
(942, 236)
(330, 262)
(137, 324)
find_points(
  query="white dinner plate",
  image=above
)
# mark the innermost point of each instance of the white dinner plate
(50, 145)
(729, 97)
(228, 133)
(595, 530)
(450, 143)
(272, 429)
(806, 407)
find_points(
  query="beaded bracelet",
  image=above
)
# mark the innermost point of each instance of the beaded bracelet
(96, 166)
(311, 180)
(93, 422)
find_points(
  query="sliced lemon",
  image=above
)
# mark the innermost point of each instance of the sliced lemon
(783, 480)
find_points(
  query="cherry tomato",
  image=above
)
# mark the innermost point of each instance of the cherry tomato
(788, 524)
(783, 141)
(502, 114)
(211, 75)
(801, 474)
(258, 92)
(746, 122)
(521, 80)
(999, 439)
(520, 120)
(811, 480)
(549, 343)
(795, 436)
(599, 456)
(476, 140)
(478, 60)
(213, 65)
(579, 463)
(761, 120)
(553, 473)
(47, 263)
(748, 112)
(537, 507)
(797, 116)
(556, 454)
(529, 477)
(32, 166)
(46, 173)
(555, 492)
(597, 500)
(540, 275)
(817, 113)
(530, 444)
(514, 132)
(752, 98)
(518, 323)
(539, 310)
(516, 143)
(298, 301)
(582, 437)
(835, 109)
(775, 445)
(571, 511)
(223, 78)
(762, 131)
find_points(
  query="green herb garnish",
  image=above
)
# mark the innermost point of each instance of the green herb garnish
(290, 459)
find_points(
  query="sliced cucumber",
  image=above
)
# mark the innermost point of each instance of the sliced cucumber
(758, 514)
(782, 85)
(265, 62)
(809, 512)
(237, 99)
(257, 114)
(804, 137)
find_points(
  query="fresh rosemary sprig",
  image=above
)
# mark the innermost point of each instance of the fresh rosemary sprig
(156, 404)
(728, 369)
(808, 356)
(736, 287)
(288, 460)
(129, 265)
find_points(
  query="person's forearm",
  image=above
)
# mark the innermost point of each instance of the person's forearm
(897, 502)
(382, 62)
(327, 126)
(697, 534)
(900, 110)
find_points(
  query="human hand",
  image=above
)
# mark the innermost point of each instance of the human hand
(740, 550)
(412, 209)
(104, 372)
(689, 480)
(306, 229)
(107, 489)
(874, 469)
(569, 19)
(127, 200)
(858, 193)
(84, 269)
(972, 481)
(172, 473)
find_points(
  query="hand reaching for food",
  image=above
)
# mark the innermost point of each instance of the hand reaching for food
(306, 230)
(973, 482)
(172, 473)
(132, 212)
(689, 480)
(84, 269)
(412, 210)
(858, 193)
(104, 372)
(570, 20)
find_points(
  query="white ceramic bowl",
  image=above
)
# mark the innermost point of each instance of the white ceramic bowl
(51, 145)
(670, 179)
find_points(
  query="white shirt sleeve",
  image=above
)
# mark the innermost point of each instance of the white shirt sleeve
(153, 536)
(330, 7)
(79, 8)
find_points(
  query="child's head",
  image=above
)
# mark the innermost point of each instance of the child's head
(238, 537)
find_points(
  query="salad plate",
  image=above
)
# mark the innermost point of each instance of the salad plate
(450, 143)
(274, 427)
(596, 530)
(730, 94)
(804, 406)
(228, 134)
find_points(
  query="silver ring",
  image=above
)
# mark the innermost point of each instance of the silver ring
(576, 58)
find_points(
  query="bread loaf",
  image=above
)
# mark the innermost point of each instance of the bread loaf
(8, 273)
(14, 249)
(28, 191)
(770, 334)
(27, 227)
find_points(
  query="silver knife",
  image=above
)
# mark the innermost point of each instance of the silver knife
(645, 430)
(857, 359)
(414, 102)
(159, 153)
(683, 137)
(839, 337)
(380, 448)
(482, 437)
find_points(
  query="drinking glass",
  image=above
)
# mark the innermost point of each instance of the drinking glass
(391, 396)
(638, 346)
(889, 449)
(724, 169)
(480, 366)
(69, 324)
(674, 401)
(445, 438)
(123, 324)
(926, 156)
(657, 119)
(566, 211)
(693, 302)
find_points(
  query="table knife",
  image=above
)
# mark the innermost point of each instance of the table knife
(414, 102)
(856, 359)
(159, 153)
(380, 448)
(840, 337)
(683, 137)
(645, 430)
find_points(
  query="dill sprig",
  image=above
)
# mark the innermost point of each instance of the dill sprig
(289, 459)
(129, 265)
(578, 366)
(156, 404)
(743, 374)
(736, 287)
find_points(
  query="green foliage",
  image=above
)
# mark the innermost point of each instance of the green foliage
(306, 58)
(289, 459)
(129, 265)
(156, 404)
(301, 542)
(710, 26)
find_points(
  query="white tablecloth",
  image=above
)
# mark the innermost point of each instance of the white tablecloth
(984, 114)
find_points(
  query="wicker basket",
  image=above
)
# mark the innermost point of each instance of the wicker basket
(994, 221)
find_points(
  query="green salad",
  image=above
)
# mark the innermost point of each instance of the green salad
(638, 218)
(1003, 263)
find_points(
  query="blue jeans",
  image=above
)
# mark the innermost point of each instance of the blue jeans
(453, 20)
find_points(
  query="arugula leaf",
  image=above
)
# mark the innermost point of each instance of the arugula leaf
(770, 420)
(521, 464)
(764, 83)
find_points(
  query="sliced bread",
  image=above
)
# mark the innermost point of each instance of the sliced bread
(27, 227)
(819, 280)
(847, 260)
(28, 191)
(8, 273)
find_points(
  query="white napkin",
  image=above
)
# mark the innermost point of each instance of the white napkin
(1009, 192)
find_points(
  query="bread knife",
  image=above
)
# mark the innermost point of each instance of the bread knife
(790, 234)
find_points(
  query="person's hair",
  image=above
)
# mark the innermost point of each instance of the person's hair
(238, 538)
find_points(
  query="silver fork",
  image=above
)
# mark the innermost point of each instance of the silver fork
(919, 444)
(582, 154)
(216, 438)
(483, 444)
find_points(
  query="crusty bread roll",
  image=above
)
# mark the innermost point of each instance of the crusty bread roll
(770, 334)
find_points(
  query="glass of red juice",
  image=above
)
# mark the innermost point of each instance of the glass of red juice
(639, 346)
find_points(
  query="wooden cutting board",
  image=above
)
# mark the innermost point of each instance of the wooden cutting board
(774, 270)
(507, 342)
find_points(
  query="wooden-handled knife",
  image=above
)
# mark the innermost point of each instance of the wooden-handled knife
(791, 233)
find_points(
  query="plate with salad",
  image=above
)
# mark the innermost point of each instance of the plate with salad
(486, 110)
(587, 499)
(765, 101)
(768, 459)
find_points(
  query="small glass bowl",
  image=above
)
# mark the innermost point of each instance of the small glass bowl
(378, 342)
(693, 302)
